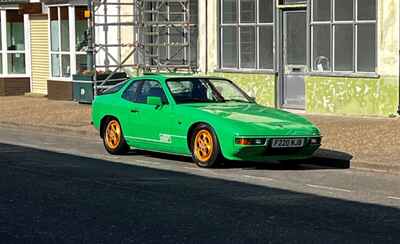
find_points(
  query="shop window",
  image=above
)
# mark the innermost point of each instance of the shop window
(81, 39)
(63, 49)
(60, 46)
(229, 11)
(266, 49)
(248, 46)
(344, 51)
(322, 48)
(1, 51)
(343, 35)
(366, 10)
(322, 10)
(54, 30)
(366, 54)
(343, 10)
(81, 27)
(246, 31)
(247, 11)
(265, 11)
(16, 63)
(229, 47)
(15, 42)
(81, 63)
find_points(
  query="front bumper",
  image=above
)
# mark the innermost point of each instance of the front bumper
(266, 152)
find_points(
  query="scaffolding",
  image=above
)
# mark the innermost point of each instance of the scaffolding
(136, 36)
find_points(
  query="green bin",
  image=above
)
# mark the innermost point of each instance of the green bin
(83, 90)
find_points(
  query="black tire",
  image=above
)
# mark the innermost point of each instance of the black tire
(120, 147)
(211, 160)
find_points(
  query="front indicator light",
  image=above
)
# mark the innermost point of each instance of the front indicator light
(250, 141)
(315, 141)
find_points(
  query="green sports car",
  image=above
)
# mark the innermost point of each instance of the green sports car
(207, 118)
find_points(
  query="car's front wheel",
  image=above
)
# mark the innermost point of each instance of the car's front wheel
(113, 138)
(205, 147)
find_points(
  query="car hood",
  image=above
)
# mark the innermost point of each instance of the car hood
(259, 118)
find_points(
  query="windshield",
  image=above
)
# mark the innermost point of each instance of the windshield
(204, 90)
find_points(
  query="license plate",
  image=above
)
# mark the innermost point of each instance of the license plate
(288, 143)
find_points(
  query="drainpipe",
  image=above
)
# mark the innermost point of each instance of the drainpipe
(398, 109)
(206, 69)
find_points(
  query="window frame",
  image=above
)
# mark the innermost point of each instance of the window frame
(355, 22)
(73, 53)
(4, 45)
(190, 39)
(237, 25)
(77, 53)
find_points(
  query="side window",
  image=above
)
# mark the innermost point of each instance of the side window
(130, 93)
(150, 88)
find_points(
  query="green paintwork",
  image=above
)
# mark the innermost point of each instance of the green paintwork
(167, 128)
(259, 86)
(358, 96)
(156, 101)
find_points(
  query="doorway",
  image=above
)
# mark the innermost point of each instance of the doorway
(293, 61)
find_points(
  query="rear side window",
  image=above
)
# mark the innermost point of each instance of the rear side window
(114, 89)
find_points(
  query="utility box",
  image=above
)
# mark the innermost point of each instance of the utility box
(83, 91)
(83, 85)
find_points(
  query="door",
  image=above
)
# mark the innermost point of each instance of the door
(294, 58)
(149, 125)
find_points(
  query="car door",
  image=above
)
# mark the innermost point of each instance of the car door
(129, 115)
(152, 124)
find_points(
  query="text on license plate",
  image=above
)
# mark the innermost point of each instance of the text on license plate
(288, 143)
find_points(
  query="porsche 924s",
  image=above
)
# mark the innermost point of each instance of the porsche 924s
(206, 118)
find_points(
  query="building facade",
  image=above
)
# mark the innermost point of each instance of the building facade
(42, 45)
(320, 56)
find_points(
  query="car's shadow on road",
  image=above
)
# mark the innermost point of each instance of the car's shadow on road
(50, 197)
(323, 159)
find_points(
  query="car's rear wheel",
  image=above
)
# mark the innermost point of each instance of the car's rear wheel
(113, 138)
(205, 147)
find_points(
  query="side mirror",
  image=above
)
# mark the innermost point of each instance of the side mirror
(156, 101)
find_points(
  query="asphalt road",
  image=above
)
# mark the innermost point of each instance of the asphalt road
(66, 189)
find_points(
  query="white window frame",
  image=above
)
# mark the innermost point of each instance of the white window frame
(72, 45)
(4, 50)
(237, 25)
(355, 22)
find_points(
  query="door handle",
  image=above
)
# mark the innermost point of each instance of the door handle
(134, 111)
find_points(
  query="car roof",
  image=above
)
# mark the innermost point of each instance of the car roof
(165, 76)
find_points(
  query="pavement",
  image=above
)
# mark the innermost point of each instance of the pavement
(64, 188)
(366, 142)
